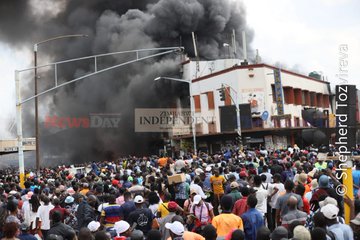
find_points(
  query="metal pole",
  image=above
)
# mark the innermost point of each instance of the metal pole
(19, 131)
(37, 139)
(193, 123)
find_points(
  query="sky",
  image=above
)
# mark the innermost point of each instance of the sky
(304, 36)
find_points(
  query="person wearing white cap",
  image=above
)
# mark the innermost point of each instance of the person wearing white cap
(93, 226)
(202, 211)
(176, 230)
(339, 230)
(122, 228)
(143, 217)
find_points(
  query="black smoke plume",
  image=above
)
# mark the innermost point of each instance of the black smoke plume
(114, 25)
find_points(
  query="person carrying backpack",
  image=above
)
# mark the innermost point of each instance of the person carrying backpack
(202, 212)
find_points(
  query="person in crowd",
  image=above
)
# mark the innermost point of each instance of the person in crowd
(318, 234)
(71, 207)
(263, 233)
(355, 225)
(86, 210)
(293, 214)
(234, 192)
(252, 218)
(142, 216)
(172, 208)
(110, 214)
(122, 229)
(266, 173)
(240, 205)
(261, 195)
(11, 215)
(127, 207)
(281, 205)
(176, 230)
(85, 234)
(226, 221)
(217, 182)
(137, 189)
(59, 228)
(201, 212)
(300, 232)
(163, 207)
(339, 230)
(25, 232)
(10, 231)
(181, 193)
(279, 233)
(324, 190)
(63, 211)
(209, 232)
(274, 191)
(44, 215)
(153, 234)
(237, 235)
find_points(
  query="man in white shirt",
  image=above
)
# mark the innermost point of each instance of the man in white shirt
(261, 195)
(274, 191)
(265, 171)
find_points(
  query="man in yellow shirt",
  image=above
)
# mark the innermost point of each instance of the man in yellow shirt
(163, 210)
(226, 222)
(217, 185)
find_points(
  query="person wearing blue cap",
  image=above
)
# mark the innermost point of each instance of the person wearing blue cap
(323, 191)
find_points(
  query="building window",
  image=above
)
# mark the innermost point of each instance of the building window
(257, 122)
(210, 97)
(288, 122)
(326, 101)
(319, 100)
(197, 103)
(288, 95)
(305, 98)
(276, 123)
(296, 122)
(298, 96)
(313, 100)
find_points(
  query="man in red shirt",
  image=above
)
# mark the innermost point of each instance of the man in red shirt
(57, 208)
(240, 205)
(300, 190)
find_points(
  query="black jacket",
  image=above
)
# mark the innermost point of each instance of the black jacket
(63, 230)
(85, 214)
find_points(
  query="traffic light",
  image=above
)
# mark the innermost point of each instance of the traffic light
(222, 93)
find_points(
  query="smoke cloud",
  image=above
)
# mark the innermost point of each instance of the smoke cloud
(114, 26)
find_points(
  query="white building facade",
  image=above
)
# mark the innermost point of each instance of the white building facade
(253, 84)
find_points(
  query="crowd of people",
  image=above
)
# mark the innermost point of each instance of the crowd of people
(233, 195)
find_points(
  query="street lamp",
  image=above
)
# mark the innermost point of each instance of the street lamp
(36, 91)
(192, 105)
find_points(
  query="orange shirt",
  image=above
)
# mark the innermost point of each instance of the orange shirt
(227, 222)
(217, 183)
(307, 188)
(162, 161)
(191, 236)
(84, 191)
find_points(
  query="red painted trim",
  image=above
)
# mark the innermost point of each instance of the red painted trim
(250, 67)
